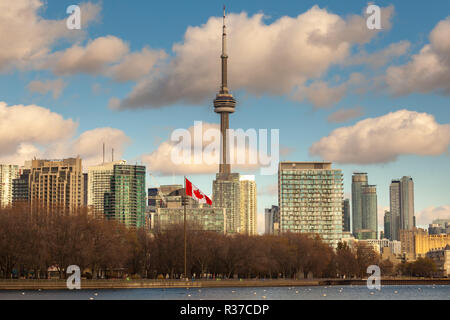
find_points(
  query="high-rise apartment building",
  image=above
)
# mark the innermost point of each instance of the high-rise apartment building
(407, 203)
(310, 196)
(227, 194)
(359, 180)
(248, 216)
(21, 189)
(57, 183)
(126, 202)
(99, 184)
(387, 225)
(272, 220)
(401, 194)
(7, 174)
(369, 209)
(346, 215)
(394, 208)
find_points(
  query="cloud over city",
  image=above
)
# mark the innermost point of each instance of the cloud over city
(28, 131)
(429, 70)
(274, 58)
(384, 139)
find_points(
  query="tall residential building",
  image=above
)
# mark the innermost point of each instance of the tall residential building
(359, 180)
(126, 202)
(310, 196)
(227, 194)
(394, 204)
(407, 203)
(387, 225)
(401, 192)
(21, 189)
(86, 187)
(346, 215)
(226, 187)
(369, 209)
(248, 216)
(272, 220)
(99, 184)
(57, 183)
(7, 174)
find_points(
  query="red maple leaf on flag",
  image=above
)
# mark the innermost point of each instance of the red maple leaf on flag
(198, 195)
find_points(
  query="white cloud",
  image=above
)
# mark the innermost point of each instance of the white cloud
(321, 95)
(33, 131)
(379, 58)
(27, 38)
(93, 59)
(427, 215)
(89, 145)
(264, 58)
(43, 87)
(345, 115)
(383, 139)
(160, 161)
(136, 65)
(429, 70)
(23, 125)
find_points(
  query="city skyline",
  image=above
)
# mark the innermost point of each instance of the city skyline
(78, 110)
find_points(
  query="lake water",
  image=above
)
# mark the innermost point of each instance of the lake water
(417, 292)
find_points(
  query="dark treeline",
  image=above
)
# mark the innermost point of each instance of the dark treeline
(32, 241)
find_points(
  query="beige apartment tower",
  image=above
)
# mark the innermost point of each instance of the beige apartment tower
(57, 183)
(248, 223)
(7, 174)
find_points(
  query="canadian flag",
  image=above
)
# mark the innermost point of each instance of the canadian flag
(195, 193)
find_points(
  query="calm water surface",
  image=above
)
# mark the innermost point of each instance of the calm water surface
(418, 292)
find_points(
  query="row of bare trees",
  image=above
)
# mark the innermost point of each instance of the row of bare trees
(35, 240)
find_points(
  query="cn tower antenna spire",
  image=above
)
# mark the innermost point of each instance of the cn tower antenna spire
(224, 104)
(224, 56)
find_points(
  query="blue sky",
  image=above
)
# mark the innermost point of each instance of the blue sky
(85, 96)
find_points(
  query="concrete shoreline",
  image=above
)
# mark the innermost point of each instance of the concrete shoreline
(164, 284)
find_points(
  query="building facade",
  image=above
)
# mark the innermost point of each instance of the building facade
(424, 243)
(248, 205)
(387, 225)
(7, 175)
(272, 220)
(401, 194)
(99, 184)
(227, 194)
(126, 202)
(310, 199)
(359, 180)
(21, 188)
(370, 209)
(346, 215)
(208, 219)
(408, 241)
(57, 183)
(441, 257)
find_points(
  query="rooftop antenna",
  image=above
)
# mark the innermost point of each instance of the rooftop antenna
(103, 153)
(112, 155)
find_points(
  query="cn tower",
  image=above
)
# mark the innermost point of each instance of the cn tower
(224, 104)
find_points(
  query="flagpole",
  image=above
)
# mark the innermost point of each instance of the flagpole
(185, 242)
